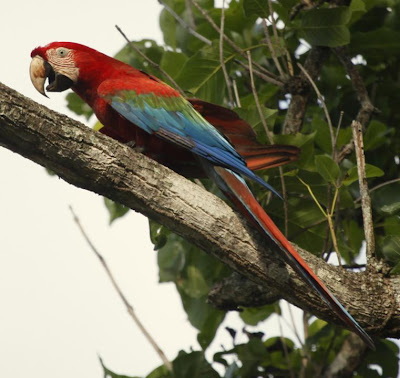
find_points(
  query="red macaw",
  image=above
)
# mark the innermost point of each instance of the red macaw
(135, 106)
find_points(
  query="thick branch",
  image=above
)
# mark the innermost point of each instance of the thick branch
(92, 161)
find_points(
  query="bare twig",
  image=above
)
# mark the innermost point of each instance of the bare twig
(228, 40)
(192, 23)
(154, 64)
(261, 75)
(324, 107)
(189, 28)
(273, 23)
(257, 101)
(301, 342)
(271, 140)
(364, 192)
(128, 306)
(221, 56)
(285, 350)
(379, 186)
(272, 49)
(367, 108)
(236, 92)
(275, 31)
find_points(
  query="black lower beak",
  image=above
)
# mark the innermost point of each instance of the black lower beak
(57, 82)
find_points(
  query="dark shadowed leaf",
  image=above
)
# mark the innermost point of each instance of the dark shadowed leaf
(326, 26)
(115, 209)
(252, 316)
(258, 8)
(193, 365)
(77, 105)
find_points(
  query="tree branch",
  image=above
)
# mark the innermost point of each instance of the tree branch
(300, 89)
(90, 160)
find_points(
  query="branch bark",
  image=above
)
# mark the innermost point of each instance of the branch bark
(92, 161)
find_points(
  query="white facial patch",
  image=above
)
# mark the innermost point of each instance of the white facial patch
(62, 60)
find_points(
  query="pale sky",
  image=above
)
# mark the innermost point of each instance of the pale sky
(58, 310)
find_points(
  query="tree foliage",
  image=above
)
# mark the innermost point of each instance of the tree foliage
(351, 50)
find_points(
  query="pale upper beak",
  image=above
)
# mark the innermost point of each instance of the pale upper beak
(37, 71)
(40, 70)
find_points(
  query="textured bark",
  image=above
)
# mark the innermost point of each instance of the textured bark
(92, 161)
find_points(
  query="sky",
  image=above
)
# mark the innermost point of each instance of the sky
(59, 312)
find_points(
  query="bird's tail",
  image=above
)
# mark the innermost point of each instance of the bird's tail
(237, 190)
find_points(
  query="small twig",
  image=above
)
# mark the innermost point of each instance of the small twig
(272, 49)
(227, 39)
(261, 75)
(273, 23)
(154, 64)
(302, 343)
(271, 140)
(367, 108)
(378, 187)
(324, 107)
(285, 350)
(364, 193)
(300, 90)
(221, 56)
(189, 28)
(327, 214)
(189, 10)
(304, 360)
(128, 306)
(236, 92)
(339, 124)
(275, 31)
(257, 101)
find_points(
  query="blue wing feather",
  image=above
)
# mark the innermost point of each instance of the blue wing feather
(176, 120)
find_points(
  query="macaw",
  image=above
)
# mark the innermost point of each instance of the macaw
(136, 107)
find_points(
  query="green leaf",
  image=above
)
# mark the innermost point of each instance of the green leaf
(160, 372)
(158, 234)
(168, 28)
(391, 248)
(76, 105)
(387, 199)
(193, 365)
(375, 136)
(115, 209)
(172, 62)
(381, 42)
(110, 374)
(171, 261)
(326, 26)
(327, 168)
(203, 317)
(252, 316)
(197, 71)
(370, 171)
(195, 286)
(386, 357)
(257, 8)
(392, 225)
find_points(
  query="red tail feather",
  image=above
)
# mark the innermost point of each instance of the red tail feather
(240, 194)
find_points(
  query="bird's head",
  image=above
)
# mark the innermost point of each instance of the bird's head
(63, 64)
(55, 62)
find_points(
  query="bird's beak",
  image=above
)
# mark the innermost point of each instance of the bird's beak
(40, 70)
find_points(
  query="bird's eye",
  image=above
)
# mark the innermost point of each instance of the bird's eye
(61, 52)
